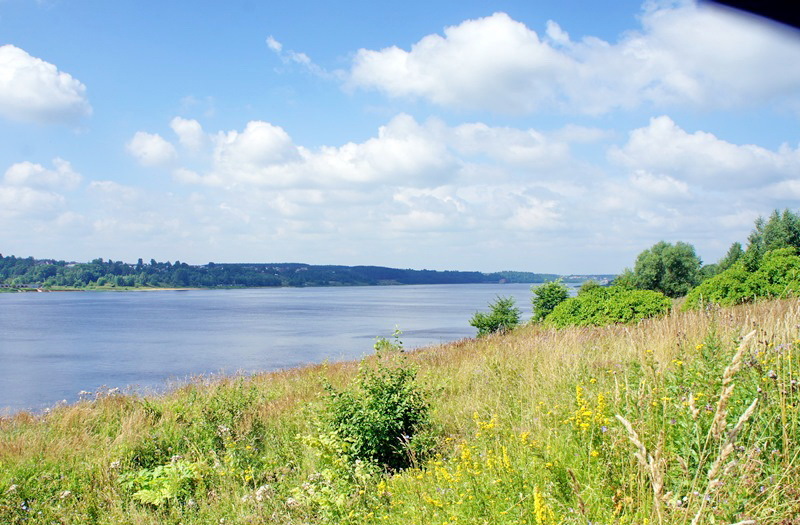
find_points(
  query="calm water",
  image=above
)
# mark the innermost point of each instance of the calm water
(53, 345)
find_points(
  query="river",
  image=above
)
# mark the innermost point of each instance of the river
(54, 345)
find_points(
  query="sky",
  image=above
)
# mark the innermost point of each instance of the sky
(547, 136)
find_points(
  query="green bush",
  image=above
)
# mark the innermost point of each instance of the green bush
(502, 317)
(175, 481)
(777, 275)
(546, 297)
(602, 306)
(384, 419)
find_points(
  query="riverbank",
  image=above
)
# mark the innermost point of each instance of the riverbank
(525, 429)
(97, 289)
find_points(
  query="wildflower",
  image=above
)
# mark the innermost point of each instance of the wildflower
(65, 494)
(594, 453)
(262, 492)
(115, 465)
(292, 503)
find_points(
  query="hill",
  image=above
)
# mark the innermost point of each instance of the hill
(692, 418)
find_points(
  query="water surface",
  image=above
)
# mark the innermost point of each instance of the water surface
(53, 345)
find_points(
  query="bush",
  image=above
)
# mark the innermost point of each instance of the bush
(383, 419)
(602, 306)
(778, 275)
(546, 297)
(502, 317)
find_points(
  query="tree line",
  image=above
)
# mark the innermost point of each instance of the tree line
(49, 273)
(769, 267)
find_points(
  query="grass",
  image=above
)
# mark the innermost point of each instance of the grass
(688, 419)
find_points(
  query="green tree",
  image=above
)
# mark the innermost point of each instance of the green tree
(734, 254)
(778, 275)
(672, 269)
(781, 230)
(546, 297)
(503, 316)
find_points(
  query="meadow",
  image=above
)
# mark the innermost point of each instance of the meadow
(690, 418)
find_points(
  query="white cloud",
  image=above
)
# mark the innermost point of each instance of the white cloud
(21, 202)
(683, 55)
(114, 192)
(661, 186)
(294, 57)
(33, 90)
(536, 214)
(190, 133)
(403, 152)
(151, 149)
(37, 176)
(703, 159)
(492, 62)
(509, 145)
(442, 184)
(419, 221)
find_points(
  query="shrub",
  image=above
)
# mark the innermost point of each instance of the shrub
(602, 306)
(175, 481)
(546, 297)
(502, 317)
(383, 419)
(778, 275)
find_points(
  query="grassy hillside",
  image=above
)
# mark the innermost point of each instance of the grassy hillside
(687, 419)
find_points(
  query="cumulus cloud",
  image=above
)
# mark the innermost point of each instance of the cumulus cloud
(22, 201)
(403, 152)
(33, 175)
(510, 145)
(662, 186)
(33, 90)
(703, 159)
(682, 55)
(536, 214)
(428, 180)
(190, 133)
(150, 149)
(492, 62)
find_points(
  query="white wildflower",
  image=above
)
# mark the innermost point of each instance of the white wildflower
(262, 492)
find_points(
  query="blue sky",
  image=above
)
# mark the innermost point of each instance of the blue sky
(541, 136)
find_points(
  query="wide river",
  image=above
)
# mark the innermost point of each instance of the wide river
(54, 345)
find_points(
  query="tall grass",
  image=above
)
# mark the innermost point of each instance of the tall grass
(688, 419)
